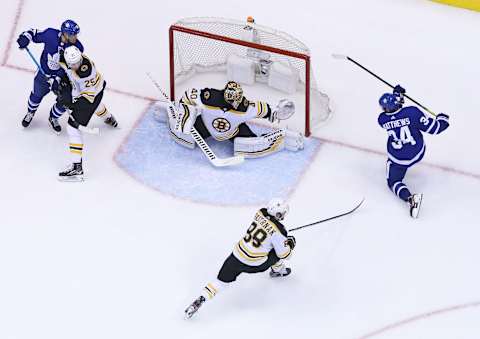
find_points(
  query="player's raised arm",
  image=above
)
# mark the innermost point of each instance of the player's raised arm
(283, 111)
(433, 125)
(35, 35)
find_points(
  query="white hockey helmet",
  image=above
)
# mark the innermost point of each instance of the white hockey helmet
(73, 56)
(277, 208)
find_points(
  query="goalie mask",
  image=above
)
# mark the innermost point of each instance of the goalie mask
(233, 94)
(277, 208)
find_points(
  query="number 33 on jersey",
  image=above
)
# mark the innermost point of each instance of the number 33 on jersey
(263, 235)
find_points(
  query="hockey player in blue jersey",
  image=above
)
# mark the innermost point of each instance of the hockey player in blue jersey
(405, 145)
(55, 41)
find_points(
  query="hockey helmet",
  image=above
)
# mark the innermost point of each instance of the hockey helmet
(277, 208)
(233, 94)
(70, 27)
(390, 102)
(73, 57)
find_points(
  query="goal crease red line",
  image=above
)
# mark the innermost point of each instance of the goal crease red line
(339, 143)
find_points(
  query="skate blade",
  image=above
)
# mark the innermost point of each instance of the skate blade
(188, 315)
(71, 179)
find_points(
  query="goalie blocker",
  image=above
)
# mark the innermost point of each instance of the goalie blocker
(223, 115)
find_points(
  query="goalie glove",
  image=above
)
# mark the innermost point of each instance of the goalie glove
(284, 110)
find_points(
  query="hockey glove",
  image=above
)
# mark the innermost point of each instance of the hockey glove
(399, 90)
(55, 84)
(22, 41)
(291, 242)
(284, 110)
(64, 98)
(443, 116)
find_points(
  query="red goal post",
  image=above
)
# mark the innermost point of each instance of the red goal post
(203, 44)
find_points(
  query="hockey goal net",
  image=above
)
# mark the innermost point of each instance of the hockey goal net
(269, 64)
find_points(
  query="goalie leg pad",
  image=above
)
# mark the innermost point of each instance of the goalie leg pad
(269, 143)
(163, 114)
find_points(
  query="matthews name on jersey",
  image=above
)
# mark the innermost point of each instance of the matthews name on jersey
(219, 117)
(405, 145)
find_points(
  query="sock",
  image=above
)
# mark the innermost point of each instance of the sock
(56, 111)
(278, 266)
(33, 103)
(211, 289)
(75, 144)
(401, 190)
(102, 112)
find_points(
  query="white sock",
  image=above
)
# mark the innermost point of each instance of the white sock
(211, 289)
(75, 140)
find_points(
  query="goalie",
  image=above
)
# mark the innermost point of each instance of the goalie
(223, 115)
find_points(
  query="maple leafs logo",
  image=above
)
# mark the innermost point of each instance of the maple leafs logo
(52, 61)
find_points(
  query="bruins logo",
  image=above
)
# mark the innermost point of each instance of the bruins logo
(221, 125)
(84, 68)
(206, 95)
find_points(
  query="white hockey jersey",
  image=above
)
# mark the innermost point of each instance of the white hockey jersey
(219, 117)
(264, 235)
(86, 81)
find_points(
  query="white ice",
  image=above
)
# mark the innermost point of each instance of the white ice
(112, 258)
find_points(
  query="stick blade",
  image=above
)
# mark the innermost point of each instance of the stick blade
(339, 56)
(224, 162)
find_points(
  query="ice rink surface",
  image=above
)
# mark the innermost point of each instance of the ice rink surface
(113, 258)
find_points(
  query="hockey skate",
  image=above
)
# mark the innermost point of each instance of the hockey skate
(55, 125)
(415, 201)
(27, 119)
(193, 308)
(279, 270)
(73, 173)
(111, 121)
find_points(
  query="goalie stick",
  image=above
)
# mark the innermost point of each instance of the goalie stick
(328, 219)
(214, 160)
(345, 57)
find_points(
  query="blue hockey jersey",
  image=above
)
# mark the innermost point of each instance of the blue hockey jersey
(53, 45)
(405, 145)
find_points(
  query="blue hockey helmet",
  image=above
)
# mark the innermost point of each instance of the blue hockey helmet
(70, 27)
(390, 102)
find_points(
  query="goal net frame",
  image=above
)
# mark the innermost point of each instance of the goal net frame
(177, 28)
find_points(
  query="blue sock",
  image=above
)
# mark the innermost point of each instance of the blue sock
(401, 190)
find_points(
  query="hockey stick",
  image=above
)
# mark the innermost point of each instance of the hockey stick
(95, 130)
(328, 219)
(214, 160)
(345, 57)
(36, 62)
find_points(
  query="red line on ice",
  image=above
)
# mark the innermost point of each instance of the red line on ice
(137, 96)
(419, 317)
(109, 89)
(12, 32)
(372, 151)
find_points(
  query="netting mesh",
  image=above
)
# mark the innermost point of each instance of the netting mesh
(199, 54)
